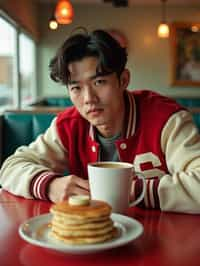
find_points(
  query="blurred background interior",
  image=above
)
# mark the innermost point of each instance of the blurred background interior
(27, 44)
(164, 59)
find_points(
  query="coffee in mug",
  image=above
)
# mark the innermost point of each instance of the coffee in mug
(109, 165)
(111, 182)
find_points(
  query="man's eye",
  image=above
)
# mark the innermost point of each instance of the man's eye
(75, 88)
(100, 82)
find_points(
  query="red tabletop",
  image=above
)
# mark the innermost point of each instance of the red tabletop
(169, 239)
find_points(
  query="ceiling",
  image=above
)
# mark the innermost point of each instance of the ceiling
(134, 2)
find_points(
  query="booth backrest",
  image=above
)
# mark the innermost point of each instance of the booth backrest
(188, 102)
(61, 102)
(66, 101)
(21, 128)
(53, 102)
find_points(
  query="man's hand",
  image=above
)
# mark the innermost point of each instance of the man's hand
(62, 187)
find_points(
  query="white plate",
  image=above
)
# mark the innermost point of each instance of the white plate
(35, 231)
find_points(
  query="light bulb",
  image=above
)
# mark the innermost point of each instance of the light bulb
(53, 25)
(163, 30)
(195, 28)
(64, 12)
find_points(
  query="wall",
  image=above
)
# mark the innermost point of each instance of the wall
(24, 12)
(149, 56)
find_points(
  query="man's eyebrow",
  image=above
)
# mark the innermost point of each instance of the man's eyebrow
(99, 74)
(71, 82)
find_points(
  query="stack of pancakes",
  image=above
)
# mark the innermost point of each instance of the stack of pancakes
(82, 224)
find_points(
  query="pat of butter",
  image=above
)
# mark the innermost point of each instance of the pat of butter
(79, 200)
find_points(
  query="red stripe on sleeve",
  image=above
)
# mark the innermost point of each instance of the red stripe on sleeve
(39, 185)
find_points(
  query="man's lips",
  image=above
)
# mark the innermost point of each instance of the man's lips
(94, 111)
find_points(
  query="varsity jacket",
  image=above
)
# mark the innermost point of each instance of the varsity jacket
(159, 138)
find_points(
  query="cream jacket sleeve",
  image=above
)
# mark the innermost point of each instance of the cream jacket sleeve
(45, 154)
(180, 141)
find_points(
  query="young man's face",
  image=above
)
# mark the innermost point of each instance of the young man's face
(99, 99)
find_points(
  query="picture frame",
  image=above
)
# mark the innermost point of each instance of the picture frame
(185, 45)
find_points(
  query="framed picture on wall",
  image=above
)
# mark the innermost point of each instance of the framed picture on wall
(185, 44)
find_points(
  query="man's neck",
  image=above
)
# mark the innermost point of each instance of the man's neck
(107, 132)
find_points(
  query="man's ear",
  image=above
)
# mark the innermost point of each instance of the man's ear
(125, 79)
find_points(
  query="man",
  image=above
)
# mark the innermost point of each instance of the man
(108, 122)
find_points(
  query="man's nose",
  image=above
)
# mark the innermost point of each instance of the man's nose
(89, 94)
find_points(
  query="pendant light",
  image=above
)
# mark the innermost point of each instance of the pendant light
(64, 12)
(163, 28)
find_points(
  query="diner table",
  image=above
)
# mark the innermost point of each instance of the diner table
(168, 239)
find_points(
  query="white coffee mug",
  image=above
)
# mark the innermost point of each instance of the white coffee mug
(111, 182)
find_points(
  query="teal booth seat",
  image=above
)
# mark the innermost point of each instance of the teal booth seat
(196, 118)
(65, 101)
(53, 102)
(18, 127)
(21, 128)
(188, 102)
(59, 102)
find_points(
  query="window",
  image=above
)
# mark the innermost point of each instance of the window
(27, 69)
(17, 66)
(7, 64)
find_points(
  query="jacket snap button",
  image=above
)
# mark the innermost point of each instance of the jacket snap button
(93, 148)
(123, 146)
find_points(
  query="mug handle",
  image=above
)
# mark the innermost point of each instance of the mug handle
(140, 198)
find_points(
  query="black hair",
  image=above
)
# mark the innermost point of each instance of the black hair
(100, 44)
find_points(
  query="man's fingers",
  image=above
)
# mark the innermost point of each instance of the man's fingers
(80, 191)
(82, 183)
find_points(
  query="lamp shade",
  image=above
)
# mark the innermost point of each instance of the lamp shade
(163, 30)
(64, 12)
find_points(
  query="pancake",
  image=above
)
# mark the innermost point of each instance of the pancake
(89, 225)
(95, 209)
(82, 222)
(83, 232)
(86, 240)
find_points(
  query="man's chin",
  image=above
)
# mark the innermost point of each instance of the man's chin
(97, 123)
